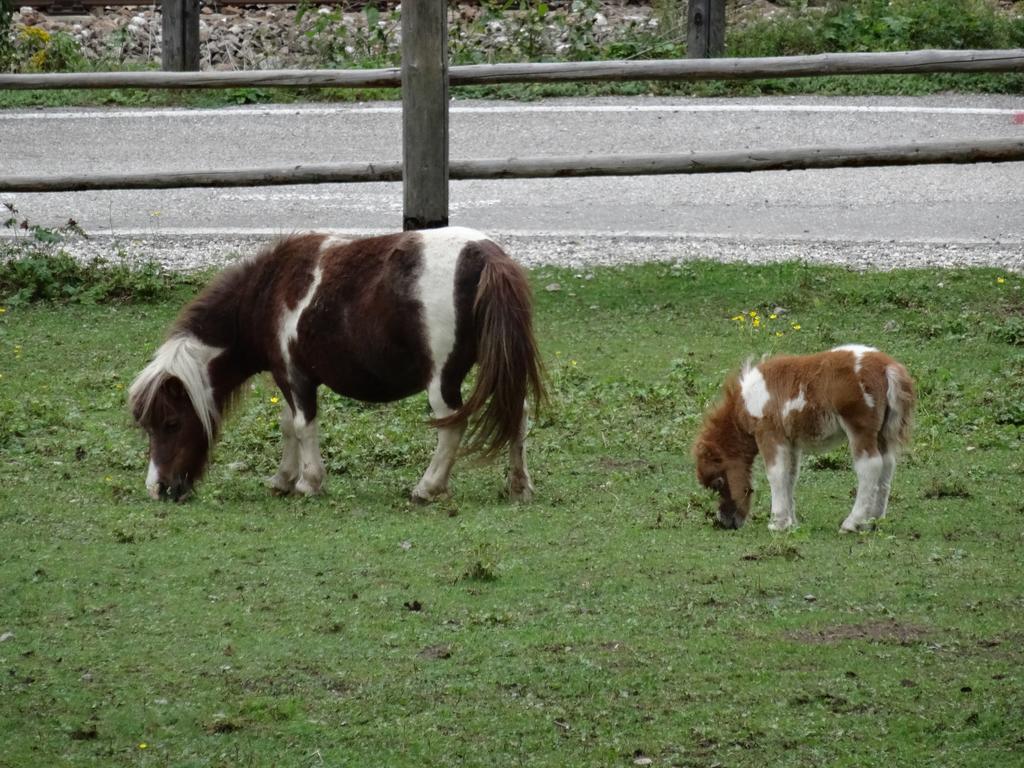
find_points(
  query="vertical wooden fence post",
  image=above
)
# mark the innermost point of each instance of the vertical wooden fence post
(705, 29)
(425, 113)
(180, 32)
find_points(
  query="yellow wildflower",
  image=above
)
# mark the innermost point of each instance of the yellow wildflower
(274, 400)
(1000, 280)
(773, 316)
(796, 326)
(752, 313)
(3, 310)
(143, 745)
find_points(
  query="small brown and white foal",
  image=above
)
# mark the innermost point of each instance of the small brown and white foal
(788, 404)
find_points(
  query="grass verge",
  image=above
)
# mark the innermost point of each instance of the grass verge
(605, 624)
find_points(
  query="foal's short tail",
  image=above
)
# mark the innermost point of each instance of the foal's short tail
(900, 399)
(509, 368)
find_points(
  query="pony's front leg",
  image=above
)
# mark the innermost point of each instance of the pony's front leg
(434, 482)
(288, 470)
(783, 468)
(311, 466)
(518, 485)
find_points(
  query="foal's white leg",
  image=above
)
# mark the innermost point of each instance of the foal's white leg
(782, 476)
(311, 466)
(434, 482)
(869, 468)
(884, 485)
(518, 485)
(288, 470)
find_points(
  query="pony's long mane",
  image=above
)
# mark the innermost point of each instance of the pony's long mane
(185, 358)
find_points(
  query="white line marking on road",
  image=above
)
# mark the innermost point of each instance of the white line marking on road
(230, 112)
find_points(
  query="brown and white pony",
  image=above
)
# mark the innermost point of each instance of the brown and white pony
(785, 405)
(377, 320)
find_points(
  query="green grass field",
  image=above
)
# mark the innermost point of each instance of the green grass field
(605, 624)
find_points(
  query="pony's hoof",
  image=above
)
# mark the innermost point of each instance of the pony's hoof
(864, 527)
(781, 527)
(422, 496)
(307, 488)
(279, 485)
(522, 494)
(518, 487)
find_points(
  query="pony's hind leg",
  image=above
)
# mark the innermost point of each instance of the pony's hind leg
(870, 472)
(434, 482)
(288, 470)
(518, 485)
(884, 485)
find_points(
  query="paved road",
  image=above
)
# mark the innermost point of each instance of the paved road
(948, 204)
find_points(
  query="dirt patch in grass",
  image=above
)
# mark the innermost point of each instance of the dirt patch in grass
(436, 652)
(610, 464)
(887, 631)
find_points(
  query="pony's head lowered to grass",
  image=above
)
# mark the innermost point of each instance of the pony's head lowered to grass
(724, 456)
(172, 400)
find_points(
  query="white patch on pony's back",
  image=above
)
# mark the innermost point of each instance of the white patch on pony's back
(332, 241)
(798, 403)
(436, 288)
(289, 329)
(754, 390)
(187, 359)
(858, 350)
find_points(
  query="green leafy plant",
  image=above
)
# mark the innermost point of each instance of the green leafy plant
(36, 50)
(6, 32)
(335, 42)
(38, 270)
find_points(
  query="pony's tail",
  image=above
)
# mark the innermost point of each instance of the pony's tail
(509, 368)
(900, 399)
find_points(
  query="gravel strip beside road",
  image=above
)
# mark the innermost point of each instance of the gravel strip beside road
(194, 252)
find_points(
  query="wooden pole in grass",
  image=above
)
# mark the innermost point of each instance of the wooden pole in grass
(425, 113)
(180, 32)
(705, 29)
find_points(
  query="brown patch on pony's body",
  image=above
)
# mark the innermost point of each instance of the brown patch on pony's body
(833, 386)
(363, 335)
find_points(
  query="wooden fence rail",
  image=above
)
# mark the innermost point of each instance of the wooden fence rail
(740, 161)
(907, 62)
